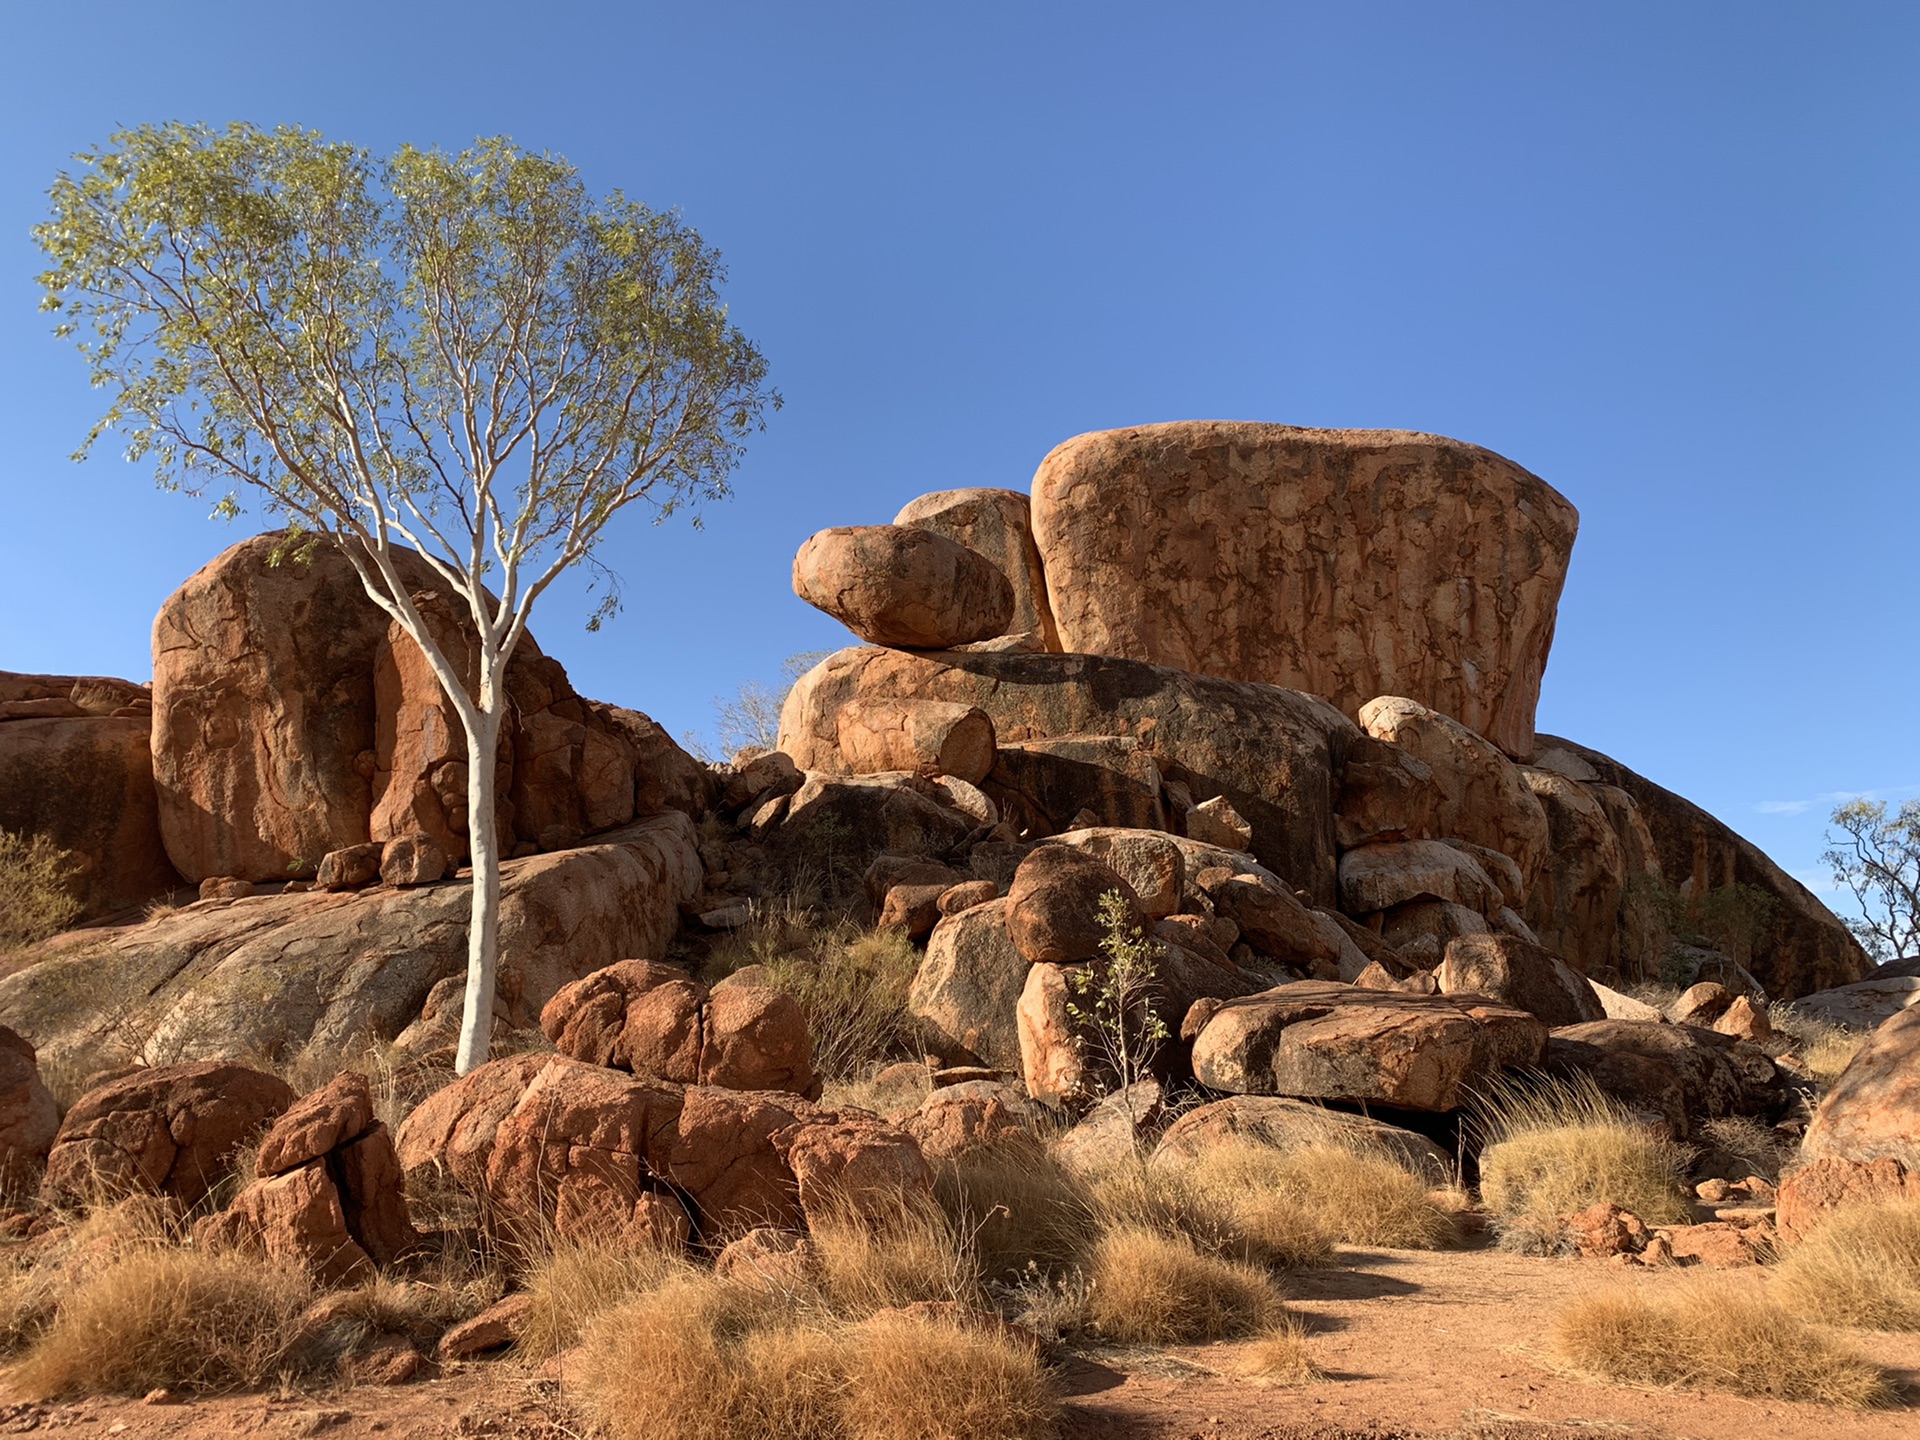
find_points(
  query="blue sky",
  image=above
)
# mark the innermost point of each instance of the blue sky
(1662, 255)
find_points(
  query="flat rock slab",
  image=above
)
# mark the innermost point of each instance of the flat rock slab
(1327, 1041)
(272, 973)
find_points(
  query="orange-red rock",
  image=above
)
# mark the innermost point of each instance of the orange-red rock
(902, 585)
(29, 1118)
(997, 525)
(929, 737)
(340, 1111)
(1346, 563)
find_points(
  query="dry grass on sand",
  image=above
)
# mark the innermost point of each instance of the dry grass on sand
(1559, 1148)
(1322, 1192)
(702, 1359)
(1859, 1268)
(1713, 1333)
(1145, 1287)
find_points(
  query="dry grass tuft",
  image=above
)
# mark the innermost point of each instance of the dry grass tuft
(851, 983)
(1720, 1334)
(158, 1317)
(1282, 1356)
(35, 900)
(1861, 1267)
(572, 1283)
(912, 1379)
(34, 1281)
(916, 1253)
(1146, 1287)
(1823, 1050)
(1022, 1209)
(1563, 1147)
(1293, 1204)
(700, 1359)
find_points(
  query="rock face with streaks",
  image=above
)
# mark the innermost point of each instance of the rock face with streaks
(996, 524)
(903, 585)
(1345, 563)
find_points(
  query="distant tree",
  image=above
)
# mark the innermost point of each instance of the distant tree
(1877, 857)
(750, 718)
(465, 353)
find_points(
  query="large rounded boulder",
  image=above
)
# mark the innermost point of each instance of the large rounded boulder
(904, 586)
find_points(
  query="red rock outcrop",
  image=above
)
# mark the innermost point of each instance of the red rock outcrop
(996, 524)
(29, 1118)
(903, 585)
(1345, 563)
(171, 1130)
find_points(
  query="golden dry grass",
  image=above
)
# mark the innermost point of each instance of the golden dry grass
(910, 1379)
(1861, 1268)
(866, 1263)
(156, 1317)
(1021, 1208)
(698, 1358)
(1295, 1203)
(1724, 1333)
(571, 1283)
(1281, 1356)
(1822, 1050)
(1560, 1148)
(1148, 1287)
(35, 900)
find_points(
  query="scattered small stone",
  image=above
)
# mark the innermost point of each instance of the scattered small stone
(160, 1396)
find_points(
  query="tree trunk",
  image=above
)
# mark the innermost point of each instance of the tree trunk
(483, 840)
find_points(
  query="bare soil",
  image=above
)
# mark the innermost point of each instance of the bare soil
(1418, 1346)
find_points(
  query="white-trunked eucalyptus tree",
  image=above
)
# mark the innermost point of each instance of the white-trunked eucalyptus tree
(466, 354)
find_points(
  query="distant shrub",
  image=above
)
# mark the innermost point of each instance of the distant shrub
(35, 901)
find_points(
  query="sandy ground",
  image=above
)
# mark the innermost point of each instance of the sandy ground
(1418, 1346)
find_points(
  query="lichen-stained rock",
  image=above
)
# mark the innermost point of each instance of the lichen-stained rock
(754, 1037)
(1046, 786)
(1380, 876)
(1346, 563)
(1327, 1041)
(1678, 1073)
(1481, 796)
(454, 1128)
(1275, 754)
(1147, 860)
(86, 783)
(854, 1163)
(1873, 1110)
(903, 585)
(1281, 1123)
(1509, 970)
(1863, 1006)
(29, 1117)
(1386, 793)
(1053, 905)
(171, 1130)
(998, 525)
(967, 989)
(843, 821)
(1575, 901)
(928, 737)
(338, 1112)
(263, 709)
(1804, 946)
(273, 973)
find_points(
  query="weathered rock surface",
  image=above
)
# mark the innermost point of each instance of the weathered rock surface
(998, 525)
(1386, 793)
(1816, 1189)
(903, 585)
(1327, 1041)
(928, 737)
(1679, 1074)
(1346, 563)
(86, 783)
(1273, 753)
(1863, 1006)
(339, 1112)
(967, 989)
(653, 1020)
(270, 974)
(172, 1130)
(1148, 861)
(1285, 1124)
(853, 1162)
(262, 709)
(1481, 795)
(1053, 906)
(1873, 1110)
(1515, 973)
(844, 821)
(1574, 903)
(1046, 786)
(29, 1118)
(957, 1118)
(1380, 876)
(1804, 948)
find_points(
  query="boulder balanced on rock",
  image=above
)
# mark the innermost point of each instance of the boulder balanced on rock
(899, 585)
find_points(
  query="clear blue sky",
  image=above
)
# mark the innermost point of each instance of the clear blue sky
(1662, 255)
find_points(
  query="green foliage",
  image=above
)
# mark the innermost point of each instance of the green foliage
(1877, 857)
(362, 339)
(1734, 919)
(1113, 999)
(34, 899)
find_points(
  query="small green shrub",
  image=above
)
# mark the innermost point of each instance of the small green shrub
(35, 901)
